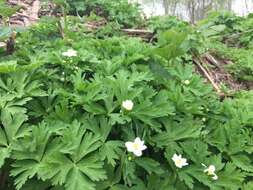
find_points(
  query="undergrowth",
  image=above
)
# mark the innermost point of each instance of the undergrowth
(231, 38)
(83, 111)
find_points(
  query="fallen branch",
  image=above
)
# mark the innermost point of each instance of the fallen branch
(137, 31)
(211, 60)
(198, 60)
(145, 34)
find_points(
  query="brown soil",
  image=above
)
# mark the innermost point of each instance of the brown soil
(213, 69)
(27, 14)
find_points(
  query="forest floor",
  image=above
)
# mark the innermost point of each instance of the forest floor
(209, 65)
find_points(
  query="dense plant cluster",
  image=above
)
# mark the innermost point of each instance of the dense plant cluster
(119, 11)
(231, 38)
(82, 112)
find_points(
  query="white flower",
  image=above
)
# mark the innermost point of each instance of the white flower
(179, 161)
(128, 105)
(211, 171)
(70, 53)
(136, 147)
(186, 82)
(215, 177)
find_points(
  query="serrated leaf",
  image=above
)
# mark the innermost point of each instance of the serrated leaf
(28, 152)
(111, 151)
(178, 132)
(73, 160)
(243, 162)
(150, 165)
(4, 153)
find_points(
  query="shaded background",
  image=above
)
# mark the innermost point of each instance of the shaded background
(194, 10)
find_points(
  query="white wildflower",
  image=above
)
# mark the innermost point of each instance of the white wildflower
(70, 53)
(136, 147)
(211, 171)
(128, 105)
(186, 82)
(179, 161)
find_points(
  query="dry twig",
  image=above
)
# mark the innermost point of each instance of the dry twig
(198, 60)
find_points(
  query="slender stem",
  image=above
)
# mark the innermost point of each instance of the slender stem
(64, 18)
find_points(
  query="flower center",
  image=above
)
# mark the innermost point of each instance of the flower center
(178, 162)
(136, 146)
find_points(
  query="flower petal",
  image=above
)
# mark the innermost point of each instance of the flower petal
(143, 147)
(175, 157)
(137, 153)
(129, 146)
(215, 177)
(137, 140)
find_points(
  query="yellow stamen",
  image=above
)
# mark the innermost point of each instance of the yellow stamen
(178, 162)
(136, 146)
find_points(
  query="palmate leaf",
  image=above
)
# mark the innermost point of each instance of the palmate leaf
(150, 165)
(243, 162)
(9, 132)
(73, 160)
(62, 171)
(12, 124)
(231, 177)
(8, 66)
(150, 109)
(186, 129)
(99, 125)
(111, 151)
(187, 179)
(125, 85)
(21, 84)
(28, 151)
(196, 150)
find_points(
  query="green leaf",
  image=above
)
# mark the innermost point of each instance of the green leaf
(214, 30)
(8, 66)
(248, 186)
(111, 151)
(12, 123)
(171, 44)
(178, 131)
(4, 153)
(231, 177)
(187, 179)
(28, 151)
(73, 159)
(150, 165)
(149, 110)
(243, 162)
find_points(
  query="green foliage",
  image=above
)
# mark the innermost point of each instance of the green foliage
(119, 11)
(7, 11)
(161, 23)
(230, 37)
(63, 125)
